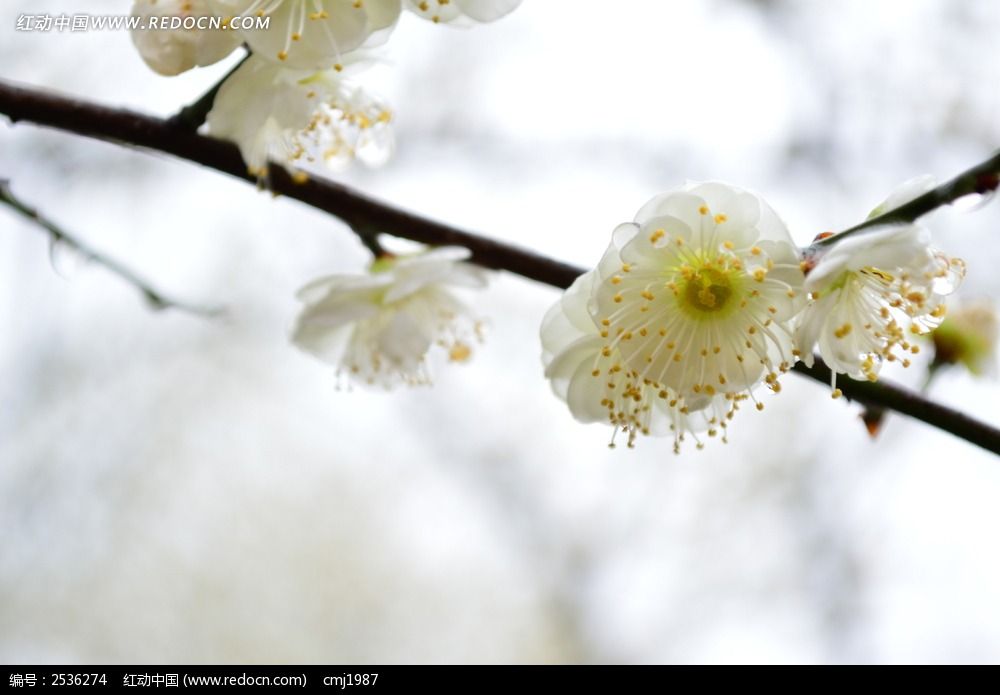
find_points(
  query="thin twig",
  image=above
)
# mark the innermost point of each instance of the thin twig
(193, 116)
(361, 211)
(983, 179)
(156, 299)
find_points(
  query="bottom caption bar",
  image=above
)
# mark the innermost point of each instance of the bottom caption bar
(326, 678)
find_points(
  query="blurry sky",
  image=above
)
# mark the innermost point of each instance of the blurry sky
(179, 489)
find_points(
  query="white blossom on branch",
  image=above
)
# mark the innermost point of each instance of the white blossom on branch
(873, 292)
(697, 293)
(379, 328)
(295, 117)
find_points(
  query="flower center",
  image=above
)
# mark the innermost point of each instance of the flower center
(705, 290)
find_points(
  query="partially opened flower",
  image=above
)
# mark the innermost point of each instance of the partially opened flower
(871, 293)
(697, 293)
(379, 328)
(173, 51)
(597, 387)
(462, 12)
(296, 117)
(313, 34)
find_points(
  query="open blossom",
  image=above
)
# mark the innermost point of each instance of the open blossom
(173, 51)
(597, 387)
(378, 328)
(872, 292)
(313, 34)
(296, 117)
(462, 12)
(696, 295)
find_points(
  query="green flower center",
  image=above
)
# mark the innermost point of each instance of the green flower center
(707, 291)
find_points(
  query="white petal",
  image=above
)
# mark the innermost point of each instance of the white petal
(170, 51)
(326, 29)
(885, 246)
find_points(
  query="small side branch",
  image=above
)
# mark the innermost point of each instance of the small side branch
(192, 116)
(156, 299)
(983, 179)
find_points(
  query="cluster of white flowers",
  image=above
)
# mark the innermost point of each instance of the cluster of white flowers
(699, 300)
(704, 296)
(296, 99)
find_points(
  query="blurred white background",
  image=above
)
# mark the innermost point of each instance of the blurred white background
(174, 489)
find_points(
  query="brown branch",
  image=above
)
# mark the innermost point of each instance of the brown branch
(883, 395)
(357, 210)
(364, 213)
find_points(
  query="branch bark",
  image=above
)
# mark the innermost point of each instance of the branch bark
(356, 209)
(362, 212)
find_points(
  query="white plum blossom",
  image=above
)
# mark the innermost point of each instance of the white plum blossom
(378, 328)
(598, 388)
(173, 51)
(295, 117)
(871, 293)
(313, 34)
(462, 12)
(696, 295)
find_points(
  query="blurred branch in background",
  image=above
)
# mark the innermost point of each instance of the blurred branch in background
(156, 299)
(363, 213)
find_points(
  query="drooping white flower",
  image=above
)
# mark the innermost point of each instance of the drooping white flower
(378, 328)
(698, 292)
(173, 51)
(313, 34)
(597, 386)
(872, 292)
(462, 12)
(296, 117)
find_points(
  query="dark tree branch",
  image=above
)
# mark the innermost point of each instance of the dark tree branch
(363, 213)
(356, 209)
(885, 395)
(58, 235)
